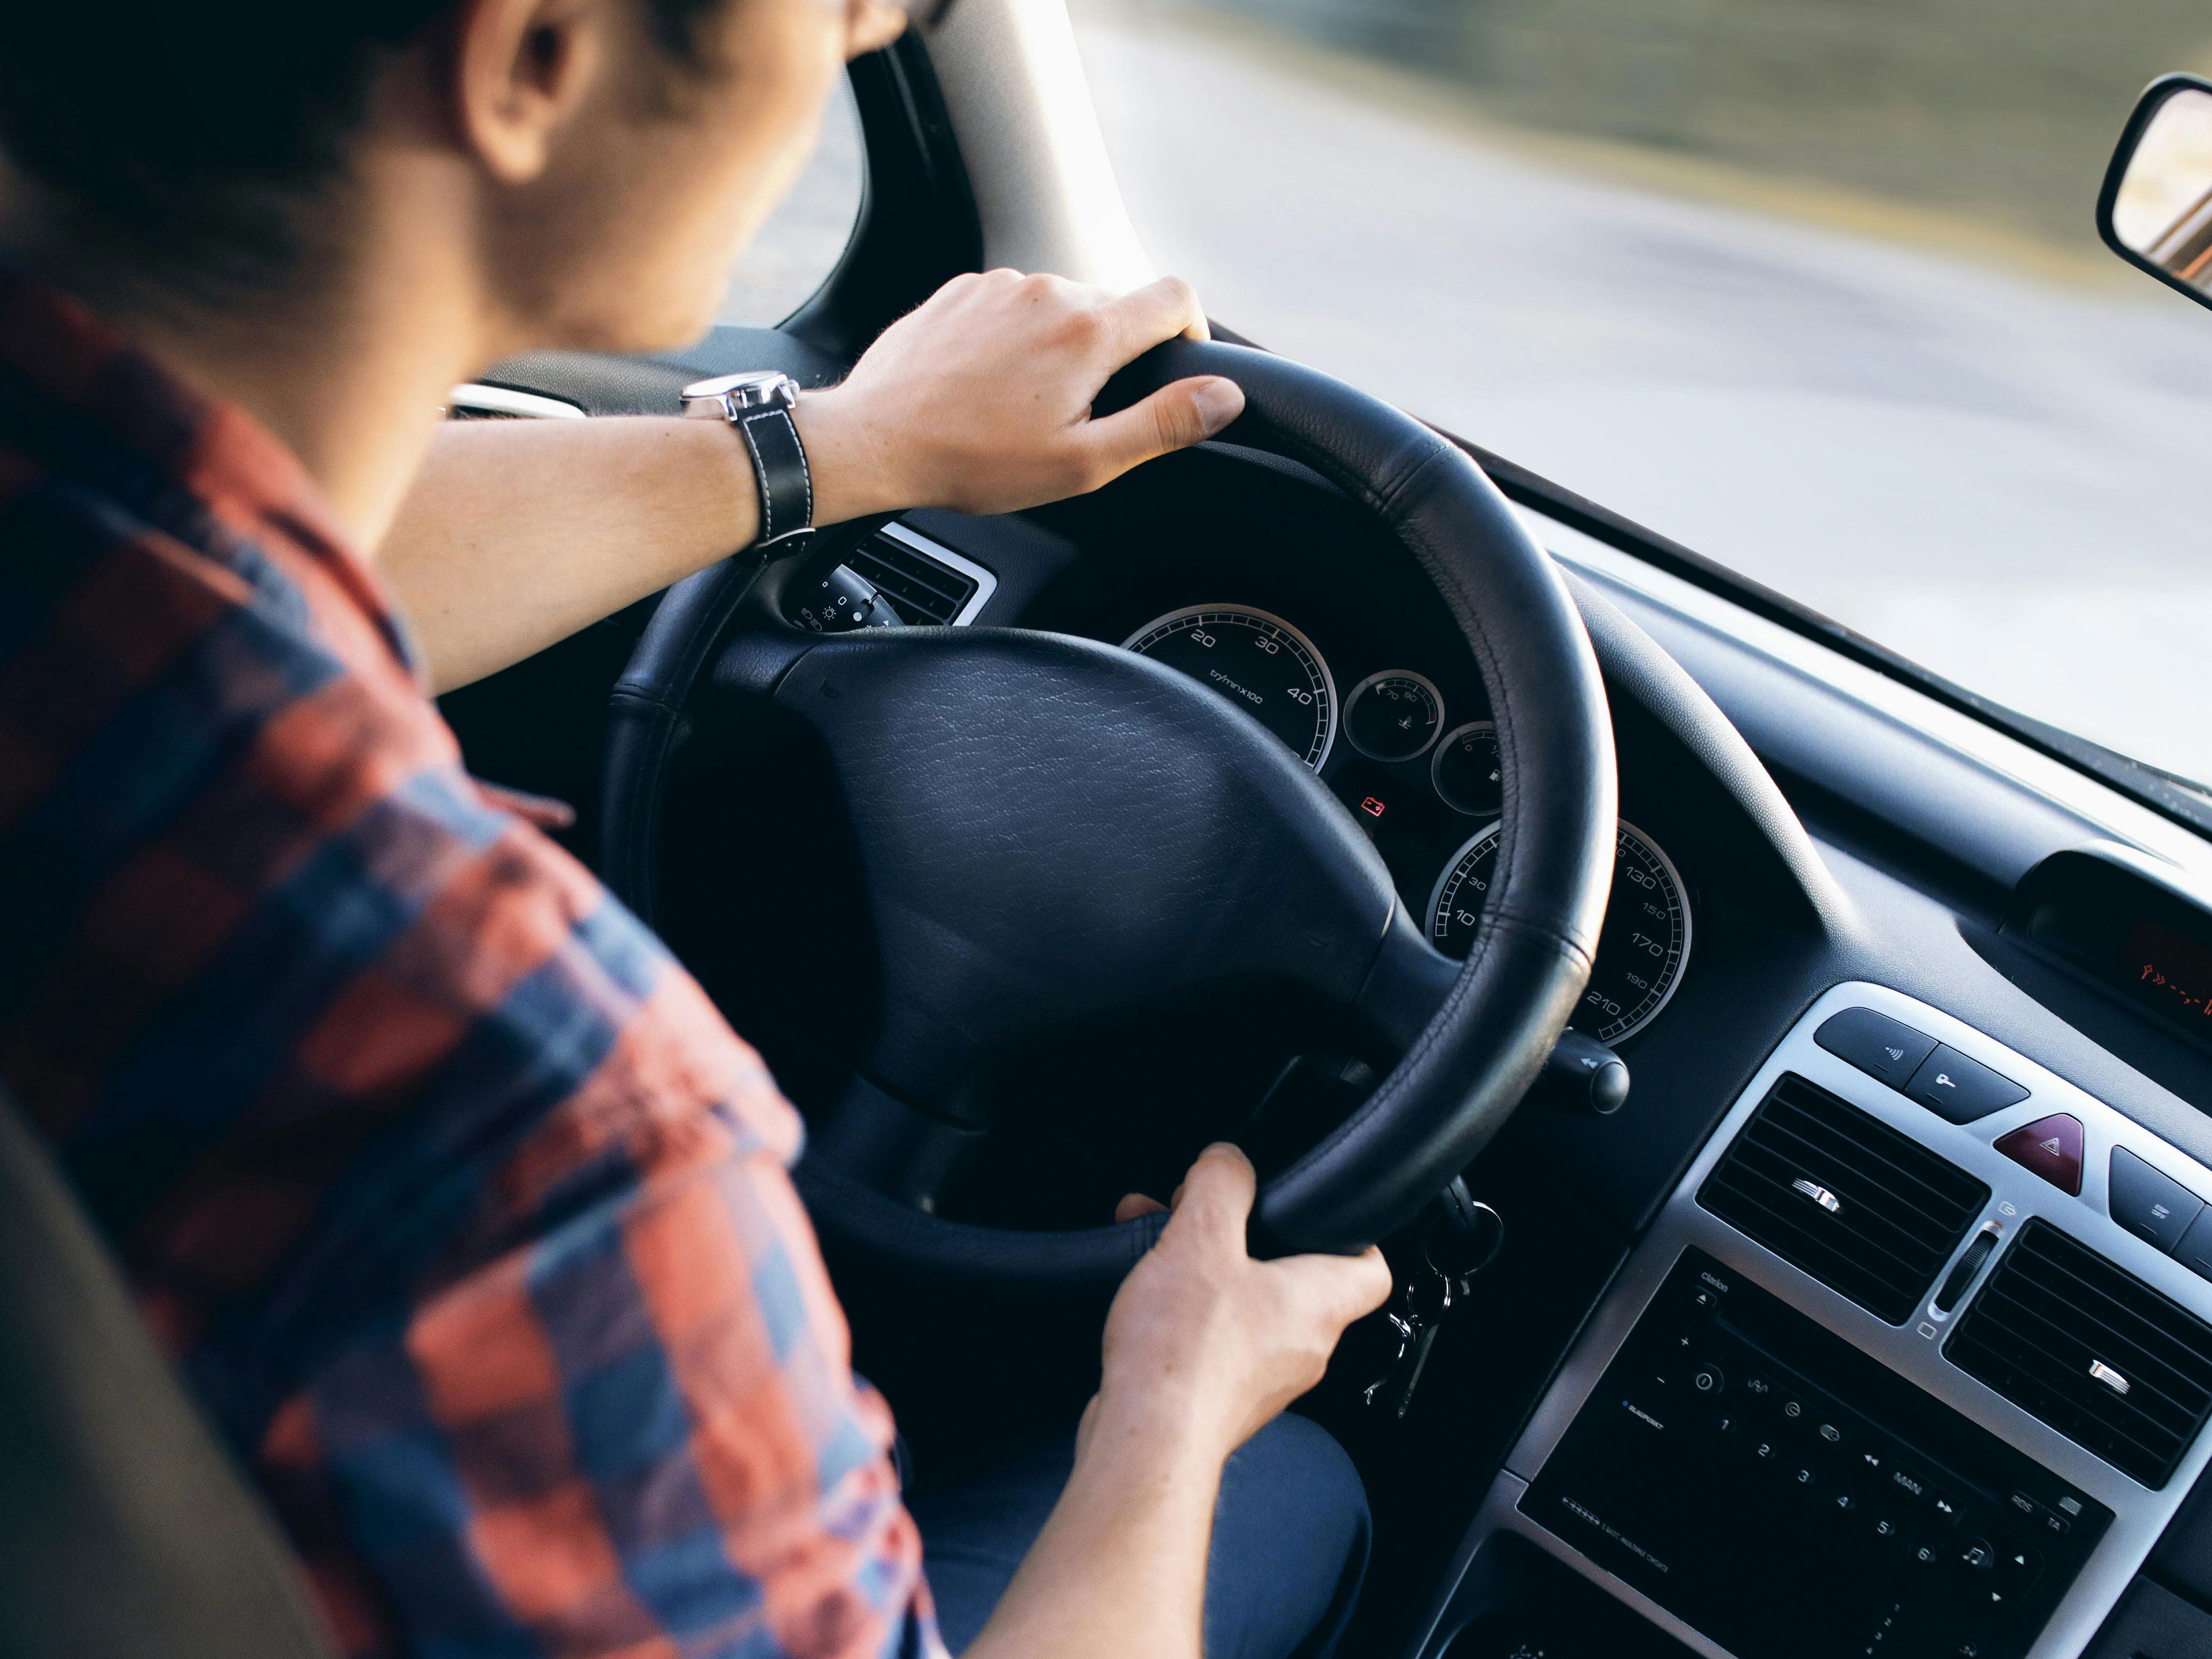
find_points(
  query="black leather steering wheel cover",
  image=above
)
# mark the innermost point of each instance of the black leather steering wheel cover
(645, 713)
(1002, 1258)
(1462, 1077)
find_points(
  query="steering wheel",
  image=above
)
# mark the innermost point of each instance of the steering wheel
(1051, 831)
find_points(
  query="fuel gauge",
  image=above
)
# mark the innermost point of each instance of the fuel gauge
(1467, 771)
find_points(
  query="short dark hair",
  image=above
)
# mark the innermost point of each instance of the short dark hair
(190, 132)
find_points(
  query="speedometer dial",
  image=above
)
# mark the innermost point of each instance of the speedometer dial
(1641, 950)
(1258, 662)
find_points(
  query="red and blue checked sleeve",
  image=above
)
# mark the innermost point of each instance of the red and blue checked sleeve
(612, 1413)
(638, 1434)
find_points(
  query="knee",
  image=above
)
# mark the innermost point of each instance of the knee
(1295, 1466)
(1290, 1536)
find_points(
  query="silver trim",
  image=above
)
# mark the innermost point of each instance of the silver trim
(1914, 1349)
(1681, 893)
(1436, 758)
(1380, 674)
(985, 582)
(1498, 1514)
(503, 400)
(1328, 679)
(1436, 888)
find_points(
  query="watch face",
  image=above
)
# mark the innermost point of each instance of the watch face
(760, 388)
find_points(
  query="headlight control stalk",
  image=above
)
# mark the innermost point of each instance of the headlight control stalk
(1582, 1075)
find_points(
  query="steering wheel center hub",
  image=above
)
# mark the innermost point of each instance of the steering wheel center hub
(1053, 831)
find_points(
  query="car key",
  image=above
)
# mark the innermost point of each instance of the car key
(1461, 1240)
(1415, 1335)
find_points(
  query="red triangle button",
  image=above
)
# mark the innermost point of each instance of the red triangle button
(2051, 1147)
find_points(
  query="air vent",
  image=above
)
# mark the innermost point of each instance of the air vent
(2093, 1350)
(923, 581)
(1869, 1213)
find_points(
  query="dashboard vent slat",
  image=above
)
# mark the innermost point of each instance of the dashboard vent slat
(2090, 1349)
(919, 588)
(1869, 1213)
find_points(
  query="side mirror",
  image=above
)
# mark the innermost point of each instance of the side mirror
(2155, 210)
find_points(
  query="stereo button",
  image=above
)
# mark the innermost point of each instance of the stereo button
(2018, 1565)
(2049, 1521)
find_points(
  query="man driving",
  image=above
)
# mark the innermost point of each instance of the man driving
(453, 1198)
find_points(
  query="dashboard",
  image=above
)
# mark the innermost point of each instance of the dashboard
(1818, 1348)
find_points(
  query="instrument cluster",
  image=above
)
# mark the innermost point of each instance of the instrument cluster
(1424, 782)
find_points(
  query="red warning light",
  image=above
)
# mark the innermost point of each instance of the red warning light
(1372, 807)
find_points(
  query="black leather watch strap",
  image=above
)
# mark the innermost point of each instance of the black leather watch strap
(787, 488)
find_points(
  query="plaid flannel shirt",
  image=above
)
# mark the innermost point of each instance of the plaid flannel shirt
(452, 1195)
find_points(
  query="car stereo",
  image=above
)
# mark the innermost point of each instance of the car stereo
(1789, 1498)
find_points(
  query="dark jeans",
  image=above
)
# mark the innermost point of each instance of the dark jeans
(1289, 1541)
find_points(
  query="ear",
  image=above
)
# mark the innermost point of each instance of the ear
(870, 24)
(521, 69)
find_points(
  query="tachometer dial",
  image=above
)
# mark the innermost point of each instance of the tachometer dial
(1641, 950)
(1393, 715)
(1467, 772)
(1257, 661)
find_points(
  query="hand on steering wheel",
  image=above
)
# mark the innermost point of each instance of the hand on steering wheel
(980, 399)
(1203, 1340)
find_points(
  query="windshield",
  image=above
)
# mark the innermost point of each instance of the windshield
(1813, 289)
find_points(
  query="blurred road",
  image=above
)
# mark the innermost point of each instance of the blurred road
(2006, 480)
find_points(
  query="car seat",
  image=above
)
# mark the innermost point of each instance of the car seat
(126, 1531)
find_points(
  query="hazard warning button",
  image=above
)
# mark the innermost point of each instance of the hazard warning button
(2052, 1147)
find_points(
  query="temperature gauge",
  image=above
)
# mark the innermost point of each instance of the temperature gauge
(1393, 715)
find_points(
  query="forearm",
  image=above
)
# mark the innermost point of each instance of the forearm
(517, 533)
(1119, 1568)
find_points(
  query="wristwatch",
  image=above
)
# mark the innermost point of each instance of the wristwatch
(759, 405)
